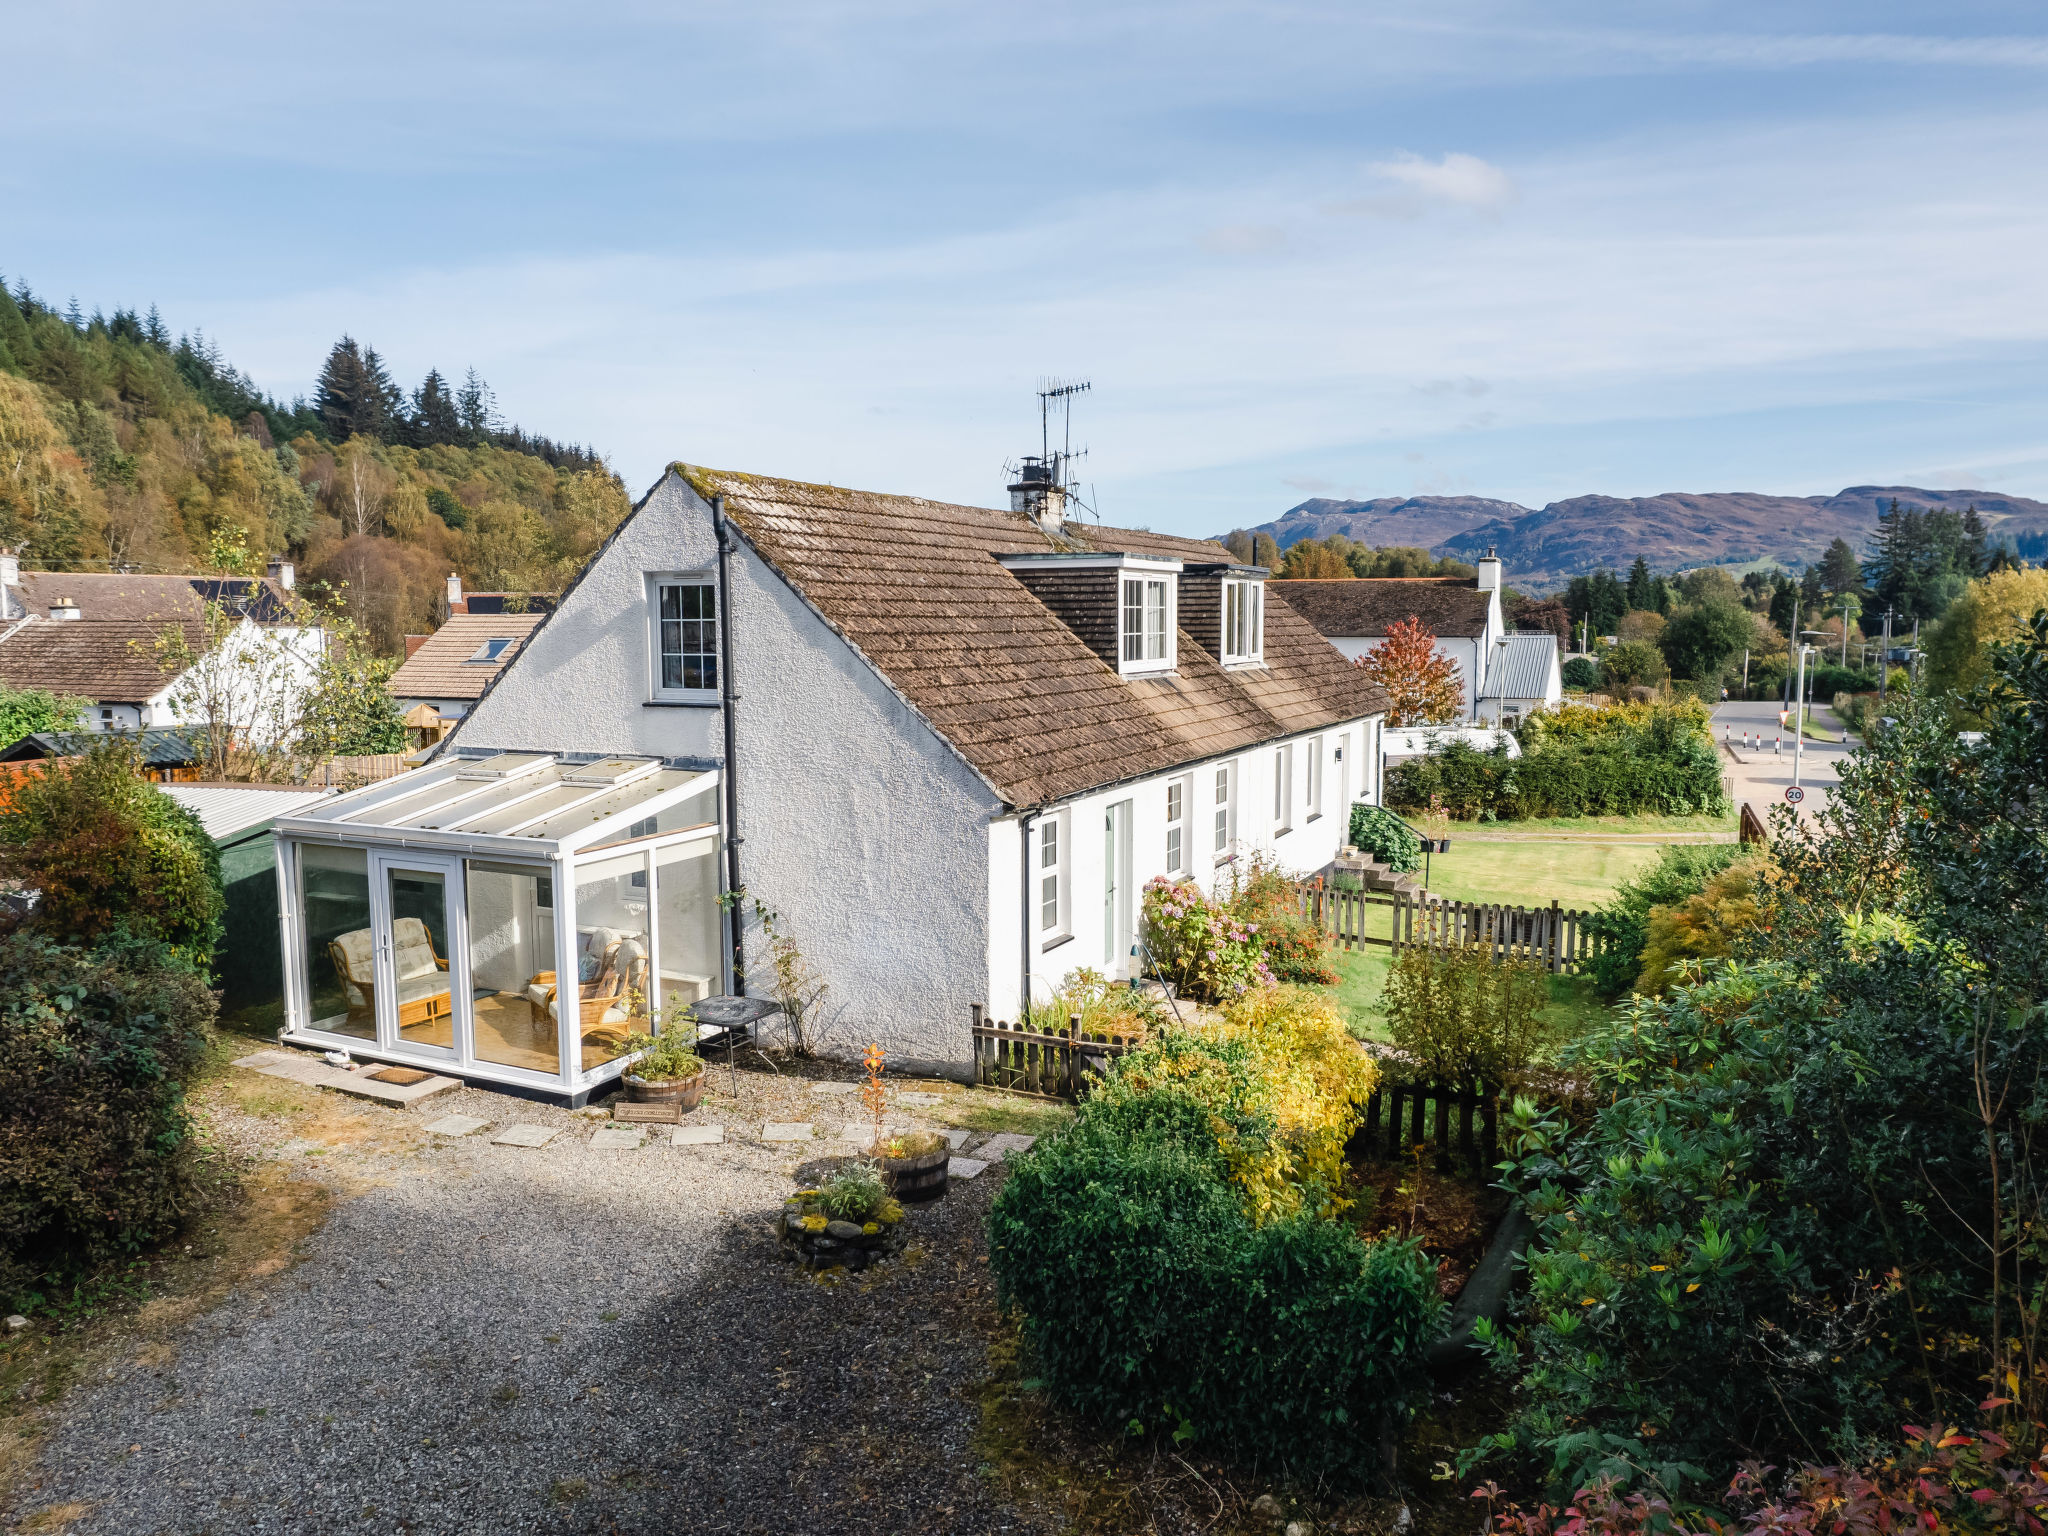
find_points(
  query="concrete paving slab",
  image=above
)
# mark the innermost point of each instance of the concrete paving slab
(527, 1135)
(999, 1147)
(964, 1167)
(362, 1085)
(786, 1130)
(616, 1138)
(956, 1139)
(456, 1125)
(698, 1136)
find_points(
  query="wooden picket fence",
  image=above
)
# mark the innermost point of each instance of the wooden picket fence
(1556, 937)
(1038, 1061)
(1400, 1117)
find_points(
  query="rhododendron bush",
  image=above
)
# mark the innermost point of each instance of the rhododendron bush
(1252, 934)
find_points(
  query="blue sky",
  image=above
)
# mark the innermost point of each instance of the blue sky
(1517, 251)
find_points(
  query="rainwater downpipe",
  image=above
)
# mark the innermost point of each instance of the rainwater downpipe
(728, 698)
(1024, 911)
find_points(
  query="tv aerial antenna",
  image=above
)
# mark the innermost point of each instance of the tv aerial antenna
(1058, 395)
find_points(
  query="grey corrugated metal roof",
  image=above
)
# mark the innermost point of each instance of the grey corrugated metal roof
(225, 809)
(1522, 668)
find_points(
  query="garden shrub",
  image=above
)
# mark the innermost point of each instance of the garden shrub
(1282, 1084)
(1464, 1013)
(1293, 947)
(1152, 1300)
(1107, 1009)
(95, 1141)
(1701, 927)
(107, 849)
(1682, 870)
(1379, 833)
(1652, 758)
(1250, 935)
(1582, 673)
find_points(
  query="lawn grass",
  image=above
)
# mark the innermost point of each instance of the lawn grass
(1535, 874)
(1677, 828)
(1573, 1009)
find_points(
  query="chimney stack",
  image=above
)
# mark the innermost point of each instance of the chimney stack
(64, 610)
(10, 568)
(1489, 571)
(282, 572)
(456, 603)
(1038, 494)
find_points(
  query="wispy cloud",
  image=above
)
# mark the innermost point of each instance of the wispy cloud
(1453, 180)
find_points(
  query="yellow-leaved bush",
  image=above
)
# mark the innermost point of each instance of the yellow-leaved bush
(1283, 1084)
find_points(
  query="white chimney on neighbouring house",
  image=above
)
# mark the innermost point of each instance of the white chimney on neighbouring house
(454, 592)
(64, 609)
(10, 568)
(1489, 571)
(282, 572)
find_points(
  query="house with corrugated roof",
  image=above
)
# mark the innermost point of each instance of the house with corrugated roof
(1504, 675)
(109, 637)
(950, 744)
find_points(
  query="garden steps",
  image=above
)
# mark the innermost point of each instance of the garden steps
(297, 1067)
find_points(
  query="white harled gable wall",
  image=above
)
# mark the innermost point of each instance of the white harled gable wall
(860, 828)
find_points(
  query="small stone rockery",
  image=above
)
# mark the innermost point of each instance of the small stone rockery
(813, 1237)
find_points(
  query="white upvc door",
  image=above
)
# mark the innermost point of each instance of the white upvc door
(421, 955)
(1118, 934)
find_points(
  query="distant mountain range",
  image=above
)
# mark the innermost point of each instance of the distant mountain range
(1672, 532)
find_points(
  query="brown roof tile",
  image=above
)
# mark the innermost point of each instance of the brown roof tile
(104, 595)
(111, 661)
(441, 668)
(914, 585)
(1449, 605)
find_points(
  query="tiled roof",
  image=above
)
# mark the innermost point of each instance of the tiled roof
(101, 595)
(1366, 606)
(441, 668)
(914, 585)
(1521, 668)
(110, 661)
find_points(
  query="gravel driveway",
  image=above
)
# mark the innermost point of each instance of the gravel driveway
(493, 1339)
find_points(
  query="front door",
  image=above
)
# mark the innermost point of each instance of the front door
(1117, 934)
(419, 960)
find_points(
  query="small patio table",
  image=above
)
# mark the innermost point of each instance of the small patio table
(733, 1016)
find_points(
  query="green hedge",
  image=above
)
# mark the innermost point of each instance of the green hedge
(1377, 831)
(1681, 871)
(1567, 778)
(95, 1143)
(1152, 1302)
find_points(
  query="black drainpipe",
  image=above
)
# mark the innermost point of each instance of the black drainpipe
(732, 785)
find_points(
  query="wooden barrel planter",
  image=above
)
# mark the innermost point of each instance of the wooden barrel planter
(681, 1095)
(918, 1176)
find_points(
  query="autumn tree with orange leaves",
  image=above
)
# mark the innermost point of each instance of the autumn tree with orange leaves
(1422, 687)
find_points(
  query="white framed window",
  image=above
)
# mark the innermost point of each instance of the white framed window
(1244, 622)
(683, 614)
(1052, 877)
(1283, 789)
(1225, 809)
(1177, 825)
(1315, 777)
(1147, 624)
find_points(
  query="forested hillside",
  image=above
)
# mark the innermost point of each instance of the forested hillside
(121, 447)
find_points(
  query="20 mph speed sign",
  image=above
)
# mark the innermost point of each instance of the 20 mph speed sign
(1794, 794)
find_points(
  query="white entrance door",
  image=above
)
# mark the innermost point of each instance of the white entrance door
(421, 959)
(1118, 933)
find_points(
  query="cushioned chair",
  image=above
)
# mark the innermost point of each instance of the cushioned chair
(420, 974)
(607, 1002)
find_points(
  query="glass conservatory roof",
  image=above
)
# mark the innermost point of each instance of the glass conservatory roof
(531, 796)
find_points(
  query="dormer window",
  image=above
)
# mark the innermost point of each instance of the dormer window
(1147, 624)
(1244, 623)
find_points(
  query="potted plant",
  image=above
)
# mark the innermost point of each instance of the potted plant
(668, 1071)
(914, 1166)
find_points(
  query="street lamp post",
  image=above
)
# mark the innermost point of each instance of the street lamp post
(1806, 648)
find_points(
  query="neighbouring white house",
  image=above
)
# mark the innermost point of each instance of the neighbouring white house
(448, 670)
(953, 743)
(1504, 675)
(97, 635)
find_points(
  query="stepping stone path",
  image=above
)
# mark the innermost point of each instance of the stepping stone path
(525, 1136)
(835, 1088)
(616, 1138)
(698, 1136)
(457, 1125)
(956, 1139)
(964, 1167)
(997, 1148)
(786, 1130)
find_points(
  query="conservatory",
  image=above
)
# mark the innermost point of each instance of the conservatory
(513, 918)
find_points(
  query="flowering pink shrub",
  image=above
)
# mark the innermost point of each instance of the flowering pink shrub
(1207, 951)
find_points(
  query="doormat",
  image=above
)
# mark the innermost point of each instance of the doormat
(401, 1076)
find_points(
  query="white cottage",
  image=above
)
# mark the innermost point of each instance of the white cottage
(954, 743)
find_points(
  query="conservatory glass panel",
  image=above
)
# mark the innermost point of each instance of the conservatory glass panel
(690, 952)
(620, 804)
(334, 903)
(512, 965)
(611, 954)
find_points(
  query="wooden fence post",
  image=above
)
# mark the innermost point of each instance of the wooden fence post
(1074, 1055)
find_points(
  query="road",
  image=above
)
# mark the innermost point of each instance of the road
(1761, 777)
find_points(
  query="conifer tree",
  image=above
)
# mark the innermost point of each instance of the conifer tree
(1839, 571)
(1639, 584)
(434, 417)
(477, 408)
